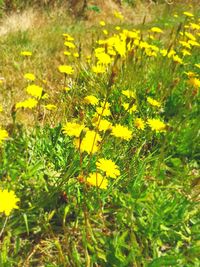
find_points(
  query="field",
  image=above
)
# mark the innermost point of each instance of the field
(100, 137)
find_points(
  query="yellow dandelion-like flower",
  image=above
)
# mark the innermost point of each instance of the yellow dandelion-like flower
(69, 44)
(68, 37)
(129, 108)
(188, 14)
(67, 53)
(105, 32)
(156, 29)
(102, 23)
(109, 167)
(1, 108)
(8, 201)
(29, 76)
(193, 43)
(156, 125)
(185, 52)
(26, 53)
(66, 69)
(194, 82)
(76, 54)
(153, 102)
(50, 107)
(103, 58)
(91, 99)
(139, 123)
(90, 142)
(185, 44)
(73, 129)
(103, 125)
(129, 93)
(99, 68)
(117, 28)
(3, 135)
(190, 36)
(29, 103)
(104, 111)
(121, 132)
(96, 179)
(177, 59)
(67, 89)
(34, 90)
(118, 15)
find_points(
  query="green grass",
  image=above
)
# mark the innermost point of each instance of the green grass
(149, 214)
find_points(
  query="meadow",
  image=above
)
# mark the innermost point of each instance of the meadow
(99, 142)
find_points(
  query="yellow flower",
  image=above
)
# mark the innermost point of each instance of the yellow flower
(67, 89)
(117, 28)
(103, 58)
(121, 132)
(118, 15)
(139, 123)
(194, 82)
(129, 93)
(156, 125)
(96, 179)
(193, 43)
(29, 76)
(8, 201)
(76, 54)
(188, 14)
(102, 23)
(29, 103)
(105, 32)
(3, 135)
(1, 108)
(26, 53)
(67, 53)
(89, 143)
(66, 69)
(50, 107)
(103, 125)
(177, 59)
(73, 129)
(185, 44)
(99, 68)
(103, 111)
(129, 108)
(34, 90)
(68, 37)
(153, 102)
(190, 36)
(90, 99)
(156, 29)
(185, 52)
(69, 44)
(109, 167)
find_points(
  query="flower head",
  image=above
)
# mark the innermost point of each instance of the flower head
(121, 132)
(26, 53)
(109, 167)
(3, 135)
(153, 102)
(139, 123)
(29, 103)
(34, 90)
(8, 201)
(29, 76)
(73, 129)
(156, 125)
(66, 69)
(96, 179)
